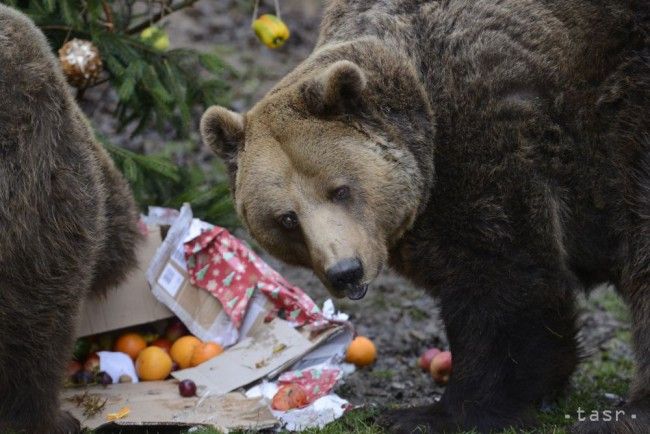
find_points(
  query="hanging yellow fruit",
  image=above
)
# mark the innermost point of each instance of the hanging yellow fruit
(271, 30)
(156, 37)
(81, 62)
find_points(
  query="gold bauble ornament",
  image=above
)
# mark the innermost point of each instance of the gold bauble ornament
(81, 62)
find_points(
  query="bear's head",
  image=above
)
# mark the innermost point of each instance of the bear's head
(318, 177)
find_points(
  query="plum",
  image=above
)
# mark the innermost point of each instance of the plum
(83, 378)
(104, 378)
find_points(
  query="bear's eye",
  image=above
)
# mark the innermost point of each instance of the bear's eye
(289, 220)
(341, 194)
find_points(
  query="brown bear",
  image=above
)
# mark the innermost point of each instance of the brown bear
(497, 153)
(67, 227)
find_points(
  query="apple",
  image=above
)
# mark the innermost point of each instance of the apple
(175, 330)
(288, 397)
(163, 343)
(425, 359)
(440, 367)
(92, 363)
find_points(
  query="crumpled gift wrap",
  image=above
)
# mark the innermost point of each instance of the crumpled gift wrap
(223, 265)
(316, 382)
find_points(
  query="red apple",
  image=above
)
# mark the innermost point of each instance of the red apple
(92, 363)
(425, 359)
(163, 343)
(440, 367)
(73, 368)
(175, 330)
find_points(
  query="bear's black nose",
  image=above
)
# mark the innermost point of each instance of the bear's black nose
(345, 273)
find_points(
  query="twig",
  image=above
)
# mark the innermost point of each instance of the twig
(57, 27)
(256, 6)
(109, 16)
(160, 15)
(277, 10)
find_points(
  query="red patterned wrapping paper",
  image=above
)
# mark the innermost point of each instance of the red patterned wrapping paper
(223, 265)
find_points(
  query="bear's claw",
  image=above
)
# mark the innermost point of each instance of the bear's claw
(416, 420)
(66, 424)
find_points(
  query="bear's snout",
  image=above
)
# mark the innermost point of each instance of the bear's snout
(345, 277)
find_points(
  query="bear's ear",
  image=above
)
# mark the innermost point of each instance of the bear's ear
(336, 90)
(223, 131)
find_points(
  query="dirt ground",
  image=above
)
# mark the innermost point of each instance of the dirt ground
(401, 319)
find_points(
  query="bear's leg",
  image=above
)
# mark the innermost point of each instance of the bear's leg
(36, 336)
(634, 416)
(511, 331)
(118, 255)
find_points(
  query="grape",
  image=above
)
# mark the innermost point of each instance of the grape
(187, 388)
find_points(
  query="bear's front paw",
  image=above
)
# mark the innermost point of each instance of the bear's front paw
(66, 424)
(416, 420)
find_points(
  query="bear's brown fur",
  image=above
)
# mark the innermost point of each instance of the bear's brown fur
(497, 153)
(67, 225)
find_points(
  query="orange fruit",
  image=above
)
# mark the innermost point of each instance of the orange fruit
(131, 344)
(183, 349)
(205, 352)
(361, 352)
(163, 343)
(153, 364)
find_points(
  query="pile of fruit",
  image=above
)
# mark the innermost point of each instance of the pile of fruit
(155, 355)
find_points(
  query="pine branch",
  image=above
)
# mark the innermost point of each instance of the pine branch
(159, 16)
(155, 87)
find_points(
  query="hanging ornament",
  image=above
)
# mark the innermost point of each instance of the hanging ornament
(156, 37)
(269, 28)
(81, 62)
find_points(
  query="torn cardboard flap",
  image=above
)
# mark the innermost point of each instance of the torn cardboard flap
(158, 402)
(270, 349)
(130, 303)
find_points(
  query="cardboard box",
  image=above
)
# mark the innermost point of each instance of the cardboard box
(257, 350)
(158, 403)
(129, 304)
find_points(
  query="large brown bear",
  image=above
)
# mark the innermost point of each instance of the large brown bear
(497, 153)
(67, 226)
